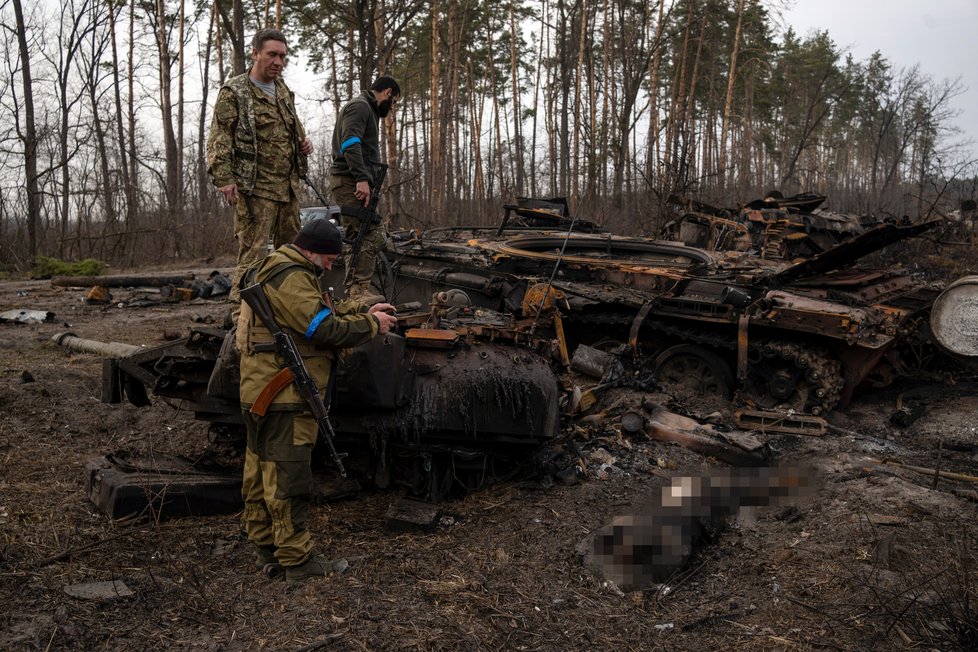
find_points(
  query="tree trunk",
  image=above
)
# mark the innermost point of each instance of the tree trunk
(133, 199)
(676, 111)
(238, 38)
(181, 196)
(476, 110)
(29, 135)
(108, 194)
(654, 142)
(127, 185)
(517, 109)
(497, 126)
(728, 102)
(544, 38)
(435, 173)
(204, 192)
(575, 155)
(689, 130)
(219, 42)
(172, 179)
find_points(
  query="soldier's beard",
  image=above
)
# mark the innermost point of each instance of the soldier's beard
(384, 108)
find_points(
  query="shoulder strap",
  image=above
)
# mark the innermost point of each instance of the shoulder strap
(240, 86)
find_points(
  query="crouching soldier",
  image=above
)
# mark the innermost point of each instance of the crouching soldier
(277, 484)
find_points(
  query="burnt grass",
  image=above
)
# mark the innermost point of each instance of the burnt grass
(881, 558)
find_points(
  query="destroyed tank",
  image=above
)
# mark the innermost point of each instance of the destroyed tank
(775, 227)
(456, 397)
(775, 335)
(495, 321)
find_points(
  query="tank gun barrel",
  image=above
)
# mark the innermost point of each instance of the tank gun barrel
(106, 349)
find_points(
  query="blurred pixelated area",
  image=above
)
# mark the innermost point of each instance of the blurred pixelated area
(636, 551)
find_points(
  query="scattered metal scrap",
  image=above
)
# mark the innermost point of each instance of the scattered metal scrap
(482, 372)
(774, 227)
(26, 316)
(954, 317)
(781, 423)
(167, 289)
(776, 335)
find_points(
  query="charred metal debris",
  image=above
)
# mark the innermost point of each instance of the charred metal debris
(511, 336)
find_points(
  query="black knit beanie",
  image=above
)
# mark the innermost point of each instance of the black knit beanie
(319, 236)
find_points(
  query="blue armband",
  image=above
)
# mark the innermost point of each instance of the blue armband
(349, 142)
(316, 321)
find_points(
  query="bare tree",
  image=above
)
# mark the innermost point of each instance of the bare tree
(74, 25)
(26, 128)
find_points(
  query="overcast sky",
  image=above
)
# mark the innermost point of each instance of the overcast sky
(940, 35)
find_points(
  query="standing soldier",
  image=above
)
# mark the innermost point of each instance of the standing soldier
(277, 483)
(356, 159)
(256, 154)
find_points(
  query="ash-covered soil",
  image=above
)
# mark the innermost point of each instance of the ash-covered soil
(881, 558)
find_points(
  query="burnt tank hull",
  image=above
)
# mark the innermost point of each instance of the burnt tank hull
(776, 335)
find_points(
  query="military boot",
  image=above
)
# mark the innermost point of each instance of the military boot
(265, 561)
(315, 566)
(265, 556)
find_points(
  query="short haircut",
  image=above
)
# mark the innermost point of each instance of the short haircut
(383, 83)
(267, 34)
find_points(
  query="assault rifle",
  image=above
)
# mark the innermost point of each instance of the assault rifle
(368, 219)
(322, 200)
(295, 370)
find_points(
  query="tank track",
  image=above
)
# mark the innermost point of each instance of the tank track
(823, 377)
(684, 333)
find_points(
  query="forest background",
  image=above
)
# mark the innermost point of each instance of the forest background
(614, 104)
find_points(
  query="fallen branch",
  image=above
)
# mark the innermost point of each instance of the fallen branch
(47, 561)
(321, 643)
(120, 281)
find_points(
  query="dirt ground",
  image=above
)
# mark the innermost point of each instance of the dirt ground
(882, 558)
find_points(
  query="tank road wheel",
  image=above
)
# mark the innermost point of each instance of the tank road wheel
(788, 376)
(695, 368)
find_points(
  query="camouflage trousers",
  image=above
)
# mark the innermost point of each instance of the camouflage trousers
(277, 483)
(358, 283)
(254, 226)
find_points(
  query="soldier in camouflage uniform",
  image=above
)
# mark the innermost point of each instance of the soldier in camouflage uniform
(356, 155)
(256, 154)
(277, 482)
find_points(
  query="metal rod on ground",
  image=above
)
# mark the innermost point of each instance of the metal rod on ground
(108, 349)
(949, 475)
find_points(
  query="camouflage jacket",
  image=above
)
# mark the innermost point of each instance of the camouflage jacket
(356, 139)
(290, 283)
(254, 140)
